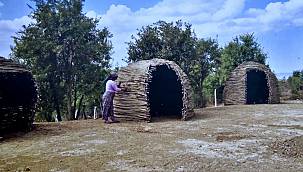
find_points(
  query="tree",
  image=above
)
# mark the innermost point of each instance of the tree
(177, 42)
(240, 49)
(296, 84)
(147, 46)
(65, 50)
(170, 41)
(206, 62)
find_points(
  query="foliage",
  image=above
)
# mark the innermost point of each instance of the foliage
(242, 48)
(211, 83)
(171, 41)
(284, 88)
(177, 42)
(296, 85)
(207, 65)
(207, 61)
(66, 53)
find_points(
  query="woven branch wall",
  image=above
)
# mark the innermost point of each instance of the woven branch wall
(235, 87)
(132, 104)
(18, 97)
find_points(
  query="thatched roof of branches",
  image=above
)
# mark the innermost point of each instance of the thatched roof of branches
(154, 88)
(251, 83)
(18, 97)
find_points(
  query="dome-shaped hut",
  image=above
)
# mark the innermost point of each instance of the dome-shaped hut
(18, 97)
(155, 88)
(251, 83)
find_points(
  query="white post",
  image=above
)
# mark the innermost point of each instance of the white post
(215, 93)
(95, 112)
(76, 113)
(56, 118)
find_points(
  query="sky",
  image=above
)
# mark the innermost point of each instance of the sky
(277, 24)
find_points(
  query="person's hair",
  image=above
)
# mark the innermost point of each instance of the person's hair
(112, 76)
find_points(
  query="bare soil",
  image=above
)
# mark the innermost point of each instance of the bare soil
(232, 138)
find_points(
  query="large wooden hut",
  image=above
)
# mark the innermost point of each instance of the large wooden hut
(18, 97)
(251, 83)
(154, 88)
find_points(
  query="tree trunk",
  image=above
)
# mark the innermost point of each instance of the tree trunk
(83, 112)
(48, 117)
(57, 106)
(69, 101)
(79, 107)
(54, 91)
(75, 95)
(69, 83)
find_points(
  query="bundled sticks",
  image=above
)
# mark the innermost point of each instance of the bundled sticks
(18, 97)
(133, 103)
(235, 91)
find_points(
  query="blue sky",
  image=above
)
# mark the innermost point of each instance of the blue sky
(277, 24)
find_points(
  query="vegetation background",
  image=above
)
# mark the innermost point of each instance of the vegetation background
(70, 57)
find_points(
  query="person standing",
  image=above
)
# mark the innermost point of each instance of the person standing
(108, 97)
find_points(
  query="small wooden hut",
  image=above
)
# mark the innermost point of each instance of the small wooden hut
(18, 97)
(154, 88)
(251, 83)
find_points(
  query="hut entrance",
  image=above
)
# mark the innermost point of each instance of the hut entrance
(16, 89)
(257, 88)
(165, 93)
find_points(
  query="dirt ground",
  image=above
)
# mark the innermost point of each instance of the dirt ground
(233, 138)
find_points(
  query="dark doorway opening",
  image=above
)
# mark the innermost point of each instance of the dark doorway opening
(16, 89)
(17, 99)
(165, 93)
(257, 88)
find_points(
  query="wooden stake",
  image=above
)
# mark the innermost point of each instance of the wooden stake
(215, 97)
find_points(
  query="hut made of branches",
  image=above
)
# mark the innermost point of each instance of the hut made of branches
(154, 88)
(18, 97)
(251, 83)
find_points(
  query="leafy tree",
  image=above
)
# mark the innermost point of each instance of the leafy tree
(171, 41)
(211, 83)
(177, 42)
(206, 62)
(147, 46)
(242, 48)
(66, 53)
(296, 84)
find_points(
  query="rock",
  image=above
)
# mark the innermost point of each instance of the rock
(252, 158)
(291, 147)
